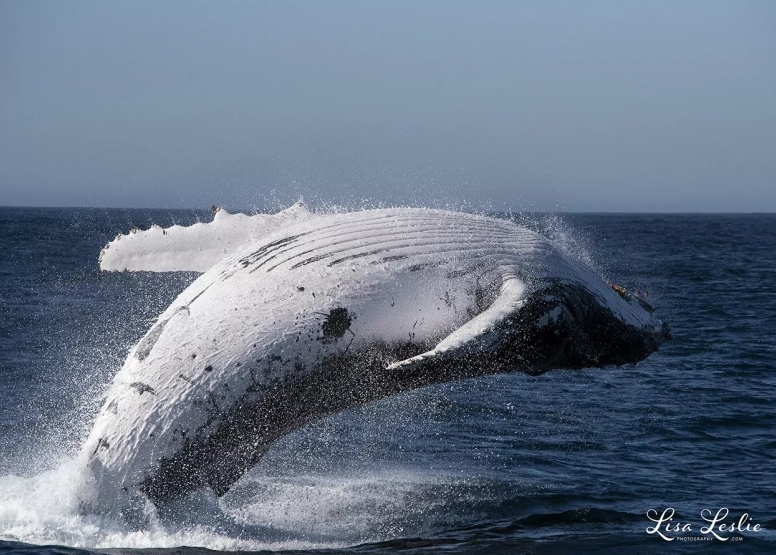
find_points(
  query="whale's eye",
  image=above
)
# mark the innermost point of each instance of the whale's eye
(336, 324)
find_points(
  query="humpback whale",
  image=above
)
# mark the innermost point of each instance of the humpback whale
(329, 312)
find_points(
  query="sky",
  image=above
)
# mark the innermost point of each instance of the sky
(539, 106)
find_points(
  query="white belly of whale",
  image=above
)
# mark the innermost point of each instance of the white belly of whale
(397, 295)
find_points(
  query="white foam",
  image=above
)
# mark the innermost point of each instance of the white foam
(276, 512)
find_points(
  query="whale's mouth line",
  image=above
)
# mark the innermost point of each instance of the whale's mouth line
(555, 328)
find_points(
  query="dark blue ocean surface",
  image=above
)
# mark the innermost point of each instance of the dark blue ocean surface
(570, 461)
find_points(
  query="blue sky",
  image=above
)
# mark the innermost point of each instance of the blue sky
(573, 106)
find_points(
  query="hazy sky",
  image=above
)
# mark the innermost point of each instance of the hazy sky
(576, 106)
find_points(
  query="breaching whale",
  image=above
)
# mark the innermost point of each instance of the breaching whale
(329, 312)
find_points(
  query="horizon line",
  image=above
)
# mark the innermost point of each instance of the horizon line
(506, 211)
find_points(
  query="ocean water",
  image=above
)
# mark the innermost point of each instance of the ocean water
(566, 462)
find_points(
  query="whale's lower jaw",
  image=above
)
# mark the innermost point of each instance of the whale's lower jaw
(559, 326)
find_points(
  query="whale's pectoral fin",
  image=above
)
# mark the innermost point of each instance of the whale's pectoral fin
(478, 336)
(193, 248)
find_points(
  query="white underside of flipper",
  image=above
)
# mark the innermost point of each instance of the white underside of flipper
(197, 247)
